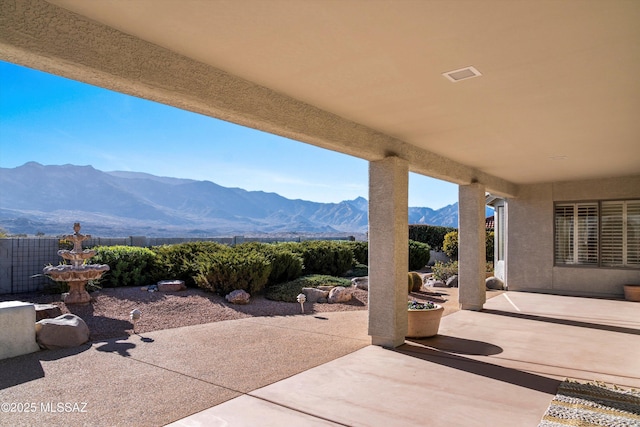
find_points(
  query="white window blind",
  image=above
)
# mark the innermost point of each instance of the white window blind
(633, 233)
(564, 218)
(576, 240)
(612, 235)
(607, 234)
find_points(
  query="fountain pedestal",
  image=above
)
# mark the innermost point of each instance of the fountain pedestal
(77, 274)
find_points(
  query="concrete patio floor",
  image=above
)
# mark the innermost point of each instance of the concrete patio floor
(498, 367)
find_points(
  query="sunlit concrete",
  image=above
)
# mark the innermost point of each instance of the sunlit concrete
(498, 367)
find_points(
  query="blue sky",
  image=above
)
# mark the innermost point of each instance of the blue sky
(54, 121)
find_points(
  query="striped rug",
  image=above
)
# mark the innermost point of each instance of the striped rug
(592, 404)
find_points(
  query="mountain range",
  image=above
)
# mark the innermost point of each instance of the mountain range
(48, 199)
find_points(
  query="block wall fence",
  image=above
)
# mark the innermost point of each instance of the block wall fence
(22, 259)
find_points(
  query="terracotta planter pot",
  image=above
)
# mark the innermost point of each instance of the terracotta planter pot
(632, 292)
(424, 323)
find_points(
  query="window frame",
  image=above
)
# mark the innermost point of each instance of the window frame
(606, 228)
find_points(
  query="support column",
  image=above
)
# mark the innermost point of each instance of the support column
(388, 251)
(471, 247)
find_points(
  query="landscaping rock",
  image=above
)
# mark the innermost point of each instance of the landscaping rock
(322, 300)
(314, 294)
(435, 283)
(339, 294)
(452, 282)
(47, 311)
(238, 297)
(171, 285)
(494, 283)
(361, 282)
(325, 288)
(64, 331)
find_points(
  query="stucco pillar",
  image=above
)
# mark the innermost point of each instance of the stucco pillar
(471, 247)
(388, 251)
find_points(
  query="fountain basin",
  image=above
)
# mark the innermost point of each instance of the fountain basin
(77, 256)
(70, 273)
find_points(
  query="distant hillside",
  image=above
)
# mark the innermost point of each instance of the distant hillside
(48, 199)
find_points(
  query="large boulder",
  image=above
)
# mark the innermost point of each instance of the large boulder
(361, 282)
(339, 294)
(171, 285)
(452, 282)
(494, 283)
(434, 283)
(238, 297)
(63, 331)
(314, 294)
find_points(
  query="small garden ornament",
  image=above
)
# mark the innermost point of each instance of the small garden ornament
(135, 316)
(301, 299)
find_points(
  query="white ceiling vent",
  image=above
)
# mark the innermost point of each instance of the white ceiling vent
(462, 74)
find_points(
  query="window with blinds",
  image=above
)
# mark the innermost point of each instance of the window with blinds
(605, 233)
(576, 240)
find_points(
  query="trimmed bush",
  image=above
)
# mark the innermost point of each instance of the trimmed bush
(359, 270)
(415, 281)
(419, 254)
(450, 245)
(285, 264)
(489, 245)
(442, 271)
(323, 256)
(184, 261)
(128, 265)
(433, 235)
(233, 269)
(289, 291)
(360, 251)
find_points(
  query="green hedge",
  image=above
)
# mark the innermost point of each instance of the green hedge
(360, 251)
(433, 235)
(326, 257)
(235, 268)
(450, 246)
(285, 264)
(419, 254)
(128, 265)
(184, 261)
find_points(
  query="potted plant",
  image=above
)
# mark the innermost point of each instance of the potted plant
(423, 319)
(632, 292)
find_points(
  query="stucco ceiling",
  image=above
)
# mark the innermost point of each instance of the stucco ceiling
(558, 99)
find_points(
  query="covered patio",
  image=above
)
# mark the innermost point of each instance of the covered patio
(499, 367)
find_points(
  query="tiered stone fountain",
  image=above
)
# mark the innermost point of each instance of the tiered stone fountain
(77, 274)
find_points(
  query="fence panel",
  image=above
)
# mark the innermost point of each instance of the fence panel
(22, 259)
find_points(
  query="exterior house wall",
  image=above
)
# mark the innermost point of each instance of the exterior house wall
(530, 237)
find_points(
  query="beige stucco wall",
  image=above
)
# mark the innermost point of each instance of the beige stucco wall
(529, 232)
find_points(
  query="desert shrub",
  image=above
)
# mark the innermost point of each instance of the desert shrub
(489, 245)
(450, 245)
(233, 269)
(288, 291)
(433, 235)
(415, 281)
(128, 265)
(285, 264)
(323, 256)
(360, 251)
(442, 271)
(359, 270)
(489, 267)
(184, 261)
(419, 254)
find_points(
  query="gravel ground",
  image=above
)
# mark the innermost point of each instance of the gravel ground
(108, 314)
